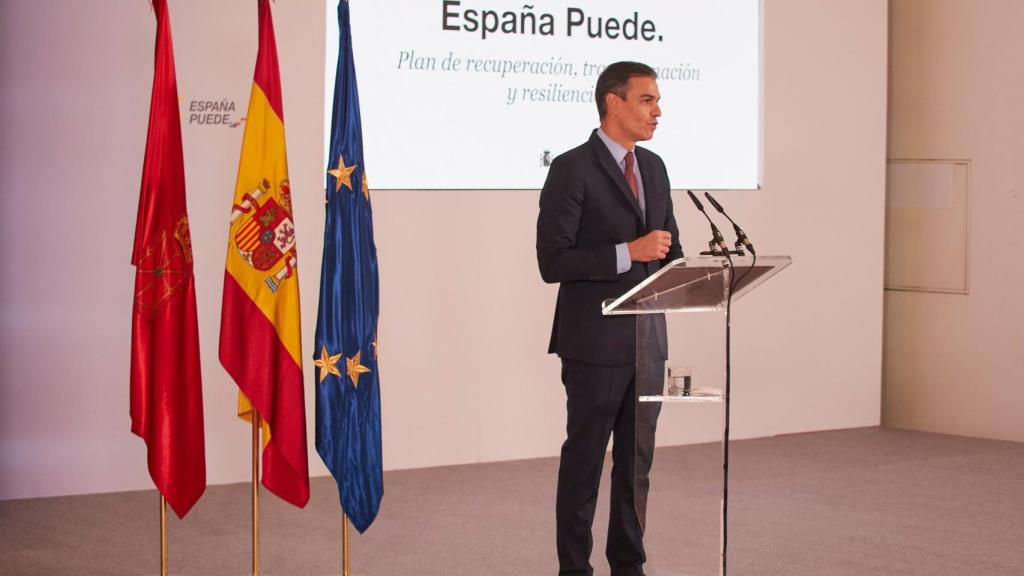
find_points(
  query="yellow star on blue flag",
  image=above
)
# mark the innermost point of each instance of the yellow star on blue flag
(342, 174)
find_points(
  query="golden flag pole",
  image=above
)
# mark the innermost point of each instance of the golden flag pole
(255, 493)
(163, 536)
(344, 545)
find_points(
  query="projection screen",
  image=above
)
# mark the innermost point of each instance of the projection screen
(477, 94)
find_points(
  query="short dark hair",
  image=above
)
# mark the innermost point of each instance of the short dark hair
(614, 78)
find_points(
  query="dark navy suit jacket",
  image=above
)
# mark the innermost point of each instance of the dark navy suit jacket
(586, 208)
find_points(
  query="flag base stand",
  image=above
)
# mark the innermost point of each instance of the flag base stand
(346, 550)
(345, 547)
(163, 536)
(345, 553)
(256, 425)
(164, 570)
(255, 493)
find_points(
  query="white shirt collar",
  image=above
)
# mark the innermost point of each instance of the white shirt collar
(618, 152)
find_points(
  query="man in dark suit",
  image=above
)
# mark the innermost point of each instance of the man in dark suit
(605, 224)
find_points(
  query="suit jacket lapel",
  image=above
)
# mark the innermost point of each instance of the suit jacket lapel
(614, 172)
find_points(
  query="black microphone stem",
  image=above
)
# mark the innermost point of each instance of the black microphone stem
(741, 236)
(717, 243)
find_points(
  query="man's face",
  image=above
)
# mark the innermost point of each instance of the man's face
(636, 116)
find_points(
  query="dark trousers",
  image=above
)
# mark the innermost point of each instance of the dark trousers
(601, 403)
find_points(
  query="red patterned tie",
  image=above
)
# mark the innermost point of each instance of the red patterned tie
(630, 176)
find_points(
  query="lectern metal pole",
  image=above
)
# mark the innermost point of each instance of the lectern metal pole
(731, 273)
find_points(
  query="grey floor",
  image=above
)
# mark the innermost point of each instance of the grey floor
(851, 502)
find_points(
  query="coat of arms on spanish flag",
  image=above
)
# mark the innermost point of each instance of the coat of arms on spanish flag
(260, 343)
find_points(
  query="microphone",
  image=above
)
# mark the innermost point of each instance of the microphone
(717, 242)
(741, 236)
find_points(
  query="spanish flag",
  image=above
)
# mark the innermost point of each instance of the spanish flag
(260, 345)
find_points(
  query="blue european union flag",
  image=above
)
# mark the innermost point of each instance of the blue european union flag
(348, 382)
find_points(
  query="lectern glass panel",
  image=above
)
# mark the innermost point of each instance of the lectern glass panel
(696, 284)
(679, 418)
(680, 382)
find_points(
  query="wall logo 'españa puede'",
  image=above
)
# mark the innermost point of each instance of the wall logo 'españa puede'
(265, 234)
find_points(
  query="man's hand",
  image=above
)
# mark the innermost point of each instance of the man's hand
(653, 246)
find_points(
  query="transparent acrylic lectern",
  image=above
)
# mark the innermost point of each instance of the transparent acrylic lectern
(676, 507)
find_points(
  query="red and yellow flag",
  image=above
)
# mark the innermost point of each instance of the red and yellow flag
(166, 387)
(260, 344)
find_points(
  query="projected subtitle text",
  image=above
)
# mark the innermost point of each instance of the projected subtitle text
(553, 70)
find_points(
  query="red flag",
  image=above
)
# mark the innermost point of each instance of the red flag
(166, 387)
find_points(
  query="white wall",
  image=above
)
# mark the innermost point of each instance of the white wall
(953, 363)
(465, 316)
